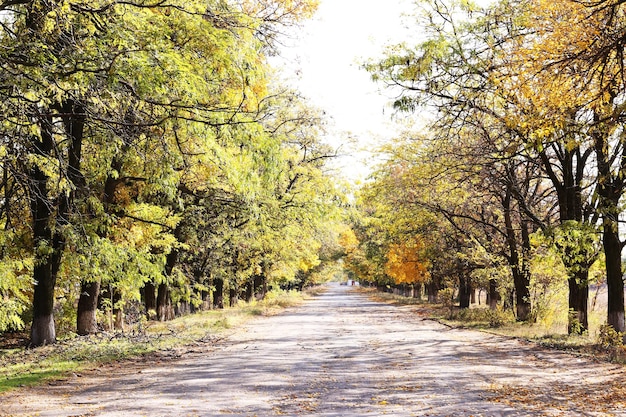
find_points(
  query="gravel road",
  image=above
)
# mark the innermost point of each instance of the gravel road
(341, 354)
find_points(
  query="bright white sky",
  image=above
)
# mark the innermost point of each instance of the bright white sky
(323, 63)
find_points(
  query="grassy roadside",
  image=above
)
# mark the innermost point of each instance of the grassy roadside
(21, 367)
(503, 324)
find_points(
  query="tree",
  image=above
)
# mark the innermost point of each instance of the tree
(478, 72)
(575, 82)
(127, 81)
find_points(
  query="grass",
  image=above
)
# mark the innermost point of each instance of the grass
(20, 367)
(551, 333)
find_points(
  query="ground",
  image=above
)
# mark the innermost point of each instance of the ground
(340, 354)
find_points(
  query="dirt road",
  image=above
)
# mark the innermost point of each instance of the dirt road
(341, 355)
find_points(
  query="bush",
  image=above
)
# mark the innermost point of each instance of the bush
(446, 296)
(612, 342)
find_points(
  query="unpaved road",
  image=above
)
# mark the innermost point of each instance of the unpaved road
(341, 355)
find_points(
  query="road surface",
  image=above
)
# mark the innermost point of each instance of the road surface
(340, 354)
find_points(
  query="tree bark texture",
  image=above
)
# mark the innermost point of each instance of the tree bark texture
(615, 283)
(44, 239)
(149, 298)
(494, 295)
(117, 310)
(517, 262)
(218, 293)
(86, 319)
(164, 303)
(232, 296)
(465, 289)
(610, 189)
(568, 187)
(248, 291)
(578, 318)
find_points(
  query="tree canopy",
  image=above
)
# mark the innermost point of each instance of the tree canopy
(523, 150)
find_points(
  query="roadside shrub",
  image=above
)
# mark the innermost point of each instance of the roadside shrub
(612, 342)
(446, 296)
(282, 298)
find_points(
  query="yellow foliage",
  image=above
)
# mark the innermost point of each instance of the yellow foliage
(406, 262)
(348, 240)
(297, 10)
(553, 69)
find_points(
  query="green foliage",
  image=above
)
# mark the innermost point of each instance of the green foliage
(447, 297)
(524, 137)
(609, 338)
(578, 244)
(548, 285)
(612, 342)
(15, 285)
(186, 150)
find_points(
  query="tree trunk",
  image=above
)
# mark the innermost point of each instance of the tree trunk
(260, 286)
(569, 185)
(465, 289)
(523, 306)
(218, 294)
(432, 291)
(86, 320)
(578, 320)
(182, 309)
(89, 299)
(518, 264)
(118, 315)
(206, 300)
(232, 296)
(149, 299)
(43, 330)
(45, 270)
(249, 290)
(615, 283)
(164, 305)
(611, 188)
(522, 298)
(494, 294)
(117, 310)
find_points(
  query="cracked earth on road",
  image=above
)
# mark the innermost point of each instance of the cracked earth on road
(340, 354)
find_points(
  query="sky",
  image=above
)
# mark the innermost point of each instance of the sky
(323, 61)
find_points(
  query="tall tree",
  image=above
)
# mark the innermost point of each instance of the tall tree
(467, 70)
(130, 76)
(571, 70)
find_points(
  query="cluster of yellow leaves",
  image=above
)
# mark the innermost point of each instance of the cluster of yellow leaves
(406, 262)
(348, 240)
(267, 9)
(551, 70)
